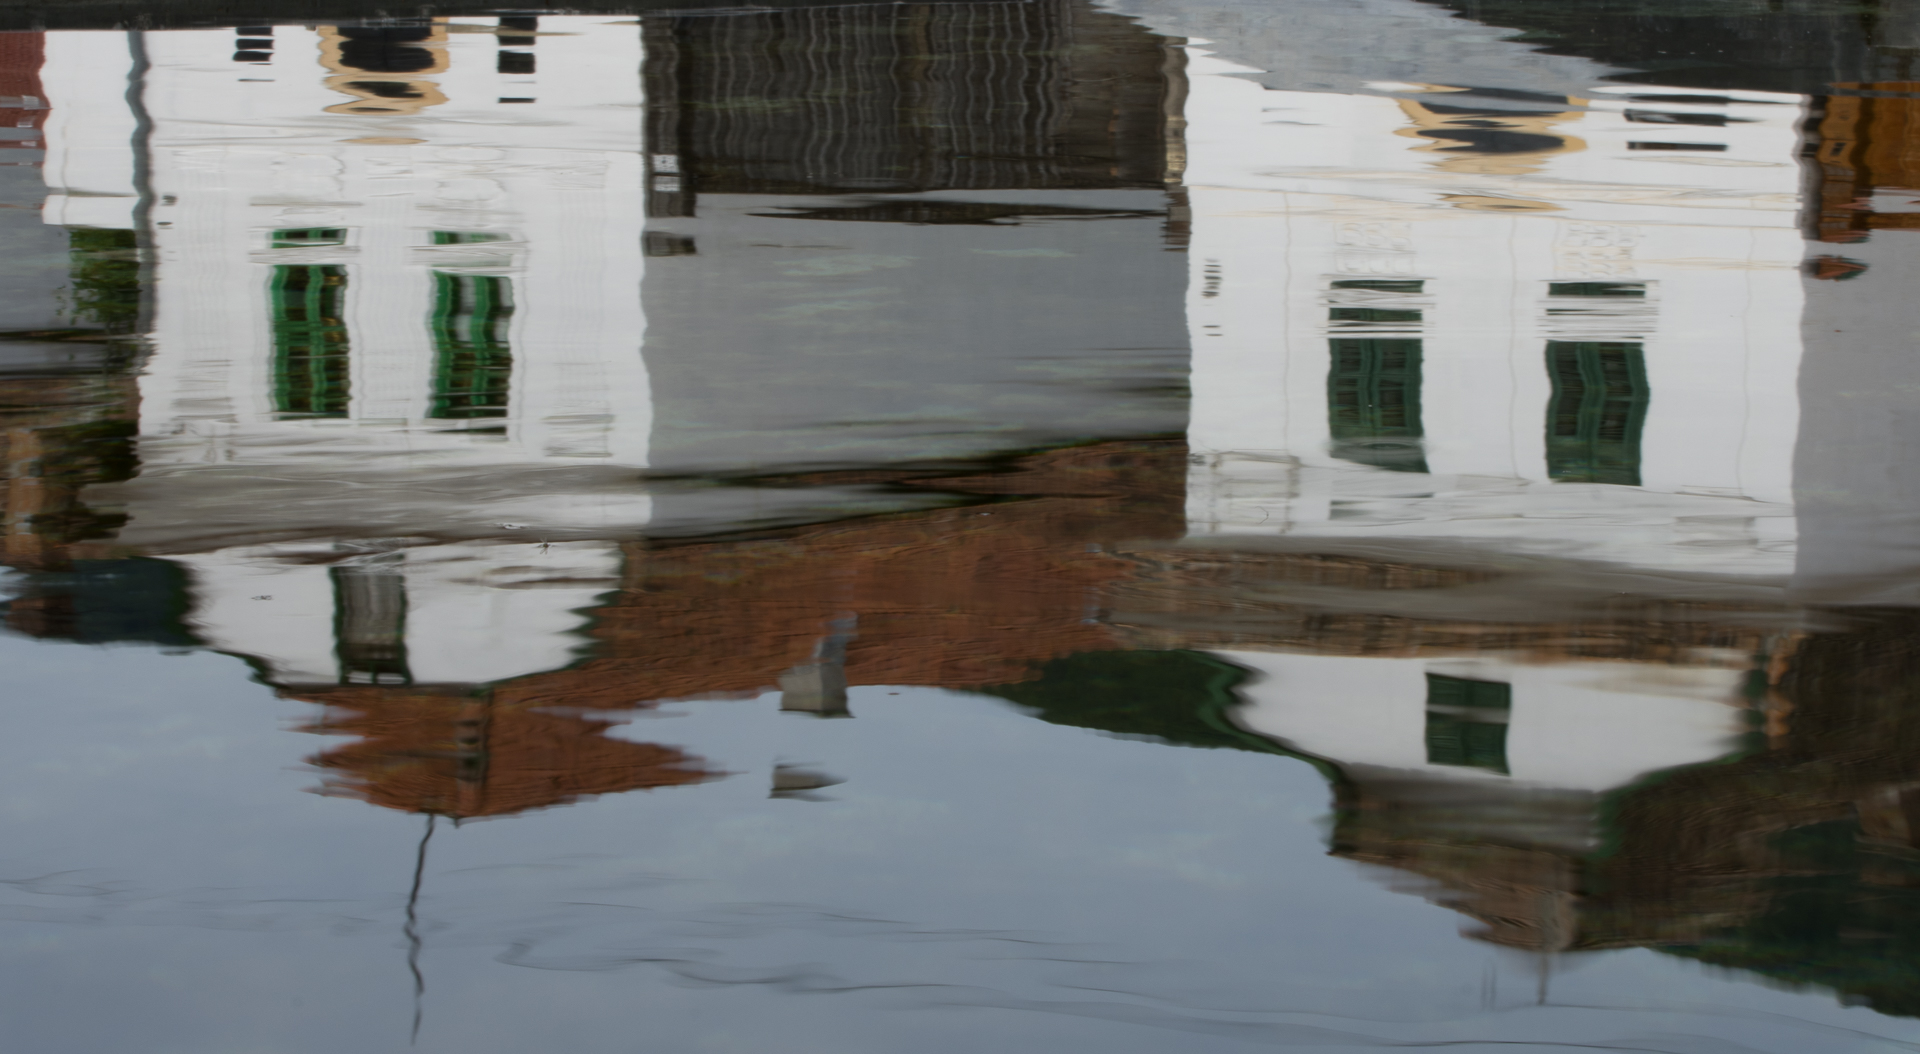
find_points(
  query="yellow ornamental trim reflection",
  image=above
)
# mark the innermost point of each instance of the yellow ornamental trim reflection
(1490, 143)
(364, 65)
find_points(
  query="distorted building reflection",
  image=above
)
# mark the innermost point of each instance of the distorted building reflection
(510, 373)
(490, 261)
(1499, 338)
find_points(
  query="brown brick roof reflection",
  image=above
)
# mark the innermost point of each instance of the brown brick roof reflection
(954, 597)
(466, 754)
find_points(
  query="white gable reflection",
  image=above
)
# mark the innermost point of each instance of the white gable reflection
(444, 266)
(1566, 326)
(396, 301)
(1590, 726)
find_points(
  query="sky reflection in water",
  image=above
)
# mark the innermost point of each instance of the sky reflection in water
(1035, 526)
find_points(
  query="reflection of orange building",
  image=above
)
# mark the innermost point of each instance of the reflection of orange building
(970, 595)
(1866, 140)
(956, 597)
(23, 102)
(467, 754)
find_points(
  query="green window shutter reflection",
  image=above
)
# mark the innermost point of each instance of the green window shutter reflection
(1597, 411)
(473, 362)
(1373, 403)
(305, 237)
(309, 339)
(467, 237)
(1372, 314)
(1382, 285)
(1597, 289)
(1467, 722)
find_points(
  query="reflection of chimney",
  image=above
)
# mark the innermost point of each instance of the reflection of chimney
(370, 622)
(820, 687)
(798, 783)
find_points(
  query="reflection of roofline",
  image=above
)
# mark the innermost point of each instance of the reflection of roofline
(185, 14)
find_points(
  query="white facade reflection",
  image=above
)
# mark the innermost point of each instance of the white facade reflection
(446, 266)
(1559, 328)
(1475, 322)
(397, 298)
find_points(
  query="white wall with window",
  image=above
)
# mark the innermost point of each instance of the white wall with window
(1564, 326)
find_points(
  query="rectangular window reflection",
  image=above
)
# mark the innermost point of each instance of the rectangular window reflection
(306, 237)
(310, 352)
(1371, 314)
(1373, 402)
(1596, 412)
(473, 362)
(370, 625)
(1467, 722)
(1382, 285)
(1597, 289)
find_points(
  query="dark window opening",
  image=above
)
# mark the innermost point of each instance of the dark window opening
(1382, 285)
(308, 236)
(516, 31)
(1596, 289)
(385, 49)
(1493, 141)
(467, 237)
(1373, 403)
(1597, 411)
(661, 243)
(370, 625)
(1371, 314)
(253, 56)
(1676, 146)
(1695, 100)
(1467, 722)
(1708, 120)
(387, 89)
(256, 43)
(515, 62)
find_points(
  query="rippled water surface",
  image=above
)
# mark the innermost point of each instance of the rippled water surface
(1066, 526)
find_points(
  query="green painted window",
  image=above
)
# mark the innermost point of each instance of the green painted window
(1596, 289)
(1373, 402)
(473, 361)
(309, 339)
(1467, 722)
(1372, 314)
(304, 237)
(467, 237)
(1597, 411)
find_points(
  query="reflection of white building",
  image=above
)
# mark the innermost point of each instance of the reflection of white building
(445, 250)
(1560, 325)
(397, 299)
(1571, 726)
(1481, 321)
